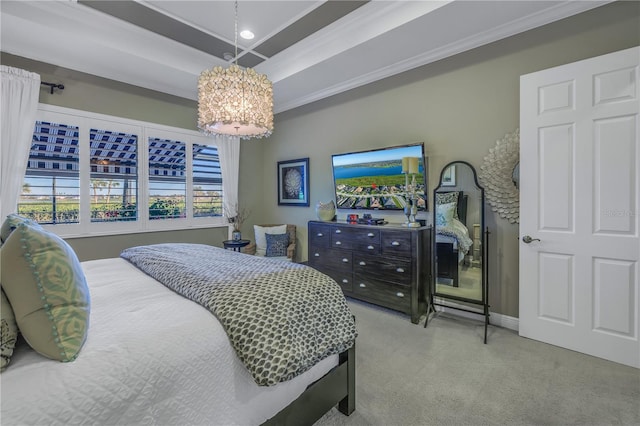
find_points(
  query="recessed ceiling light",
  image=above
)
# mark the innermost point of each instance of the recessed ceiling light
(247, 35)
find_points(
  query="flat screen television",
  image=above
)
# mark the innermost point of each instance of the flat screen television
(373, 180)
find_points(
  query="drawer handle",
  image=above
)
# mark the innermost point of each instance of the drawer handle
(320, 234)
(370, 247)
(363, 285)
(338, 231)
(399, 270)
(371, 234)
(399, 294)
(395, 243)
(338, 243)
(316, 254)
(363, 263)
(344, 280)
(345, 260)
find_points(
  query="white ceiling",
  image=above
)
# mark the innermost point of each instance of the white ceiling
(374, 41)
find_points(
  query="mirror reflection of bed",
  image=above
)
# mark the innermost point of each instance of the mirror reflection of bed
(458, 226)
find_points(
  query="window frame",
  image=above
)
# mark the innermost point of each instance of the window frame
(144, 130)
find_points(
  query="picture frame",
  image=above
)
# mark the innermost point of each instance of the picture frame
(449, 176)
(293, 182)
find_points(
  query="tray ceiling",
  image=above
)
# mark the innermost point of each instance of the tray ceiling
(308, 49)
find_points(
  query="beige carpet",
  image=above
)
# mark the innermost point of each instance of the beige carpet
(469, 284)
(444, 375)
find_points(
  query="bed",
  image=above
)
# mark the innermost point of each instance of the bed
(152, 356)
(452, 236)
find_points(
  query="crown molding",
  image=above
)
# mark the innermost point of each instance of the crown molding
(557, 12)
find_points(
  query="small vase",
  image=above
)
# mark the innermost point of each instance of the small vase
(325, 211)
(236, 236)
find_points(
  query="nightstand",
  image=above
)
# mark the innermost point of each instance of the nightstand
(235, 245)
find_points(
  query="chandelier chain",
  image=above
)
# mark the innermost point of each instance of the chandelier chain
(236, 31)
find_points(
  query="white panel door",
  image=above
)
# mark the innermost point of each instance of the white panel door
(579, 204)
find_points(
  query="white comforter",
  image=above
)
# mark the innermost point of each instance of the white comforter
(455, 232)
(151, 357)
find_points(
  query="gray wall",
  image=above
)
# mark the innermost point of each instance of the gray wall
(458, 107)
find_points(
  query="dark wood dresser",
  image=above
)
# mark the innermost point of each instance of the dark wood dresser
(389, 265)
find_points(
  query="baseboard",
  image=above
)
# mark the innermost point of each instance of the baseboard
(495, 318)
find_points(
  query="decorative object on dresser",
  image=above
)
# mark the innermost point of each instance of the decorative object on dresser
(293, 182)
(460, 247)
(500, 176)
(387, 265)
(410, 167)
(326, 211)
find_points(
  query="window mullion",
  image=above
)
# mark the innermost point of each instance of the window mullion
(143, 178)
(189, 176)
(85, 173)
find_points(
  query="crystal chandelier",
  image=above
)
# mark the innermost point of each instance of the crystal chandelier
(235, 101)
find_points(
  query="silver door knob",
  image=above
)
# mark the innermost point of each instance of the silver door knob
(527, 239)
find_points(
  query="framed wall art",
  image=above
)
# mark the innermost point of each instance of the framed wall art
(293, 182)
(449, 177)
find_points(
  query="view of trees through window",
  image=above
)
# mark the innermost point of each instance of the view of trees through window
(50, 193)
(207, 181)
(114, 176)
(167, 181)
(51, 189)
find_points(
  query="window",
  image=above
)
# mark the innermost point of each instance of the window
(51, 189)
(167, 179)
(207, 181)
(93, 174)
(114, 176)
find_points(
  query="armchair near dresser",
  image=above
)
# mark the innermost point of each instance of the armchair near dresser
(268, 239)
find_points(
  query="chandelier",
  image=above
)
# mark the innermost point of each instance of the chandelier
(235, 101)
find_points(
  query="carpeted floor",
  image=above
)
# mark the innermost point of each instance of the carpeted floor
(444, 375)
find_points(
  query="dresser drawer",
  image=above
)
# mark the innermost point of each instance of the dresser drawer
(394, 296)
(396, 243)
(323, 259)
(320, 235)
(358, 239)
(383, 268)
(344, 279)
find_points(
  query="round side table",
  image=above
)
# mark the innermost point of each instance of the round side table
(235, 245)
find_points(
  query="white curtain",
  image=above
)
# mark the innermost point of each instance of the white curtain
(20, 92)
(229, 152)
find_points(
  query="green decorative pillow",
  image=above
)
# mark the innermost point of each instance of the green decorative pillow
(46, 287)
(444, 213)
(277, 245)
(9, 331)
(10, 224)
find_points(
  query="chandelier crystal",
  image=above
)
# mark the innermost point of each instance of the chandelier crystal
(235, 101)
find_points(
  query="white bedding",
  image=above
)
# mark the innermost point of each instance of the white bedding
(151, 357)
(456, 233)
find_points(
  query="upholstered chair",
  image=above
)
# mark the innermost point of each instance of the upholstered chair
(262, 242)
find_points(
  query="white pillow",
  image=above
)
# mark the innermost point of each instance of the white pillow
(261, 238)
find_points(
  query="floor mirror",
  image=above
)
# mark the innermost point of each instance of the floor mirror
(460, 243)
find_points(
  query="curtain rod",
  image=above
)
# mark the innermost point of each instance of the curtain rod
(53, 86)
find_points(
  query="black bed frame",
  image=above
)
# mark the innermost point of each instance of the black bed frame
(446, 254)
(337, 387)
